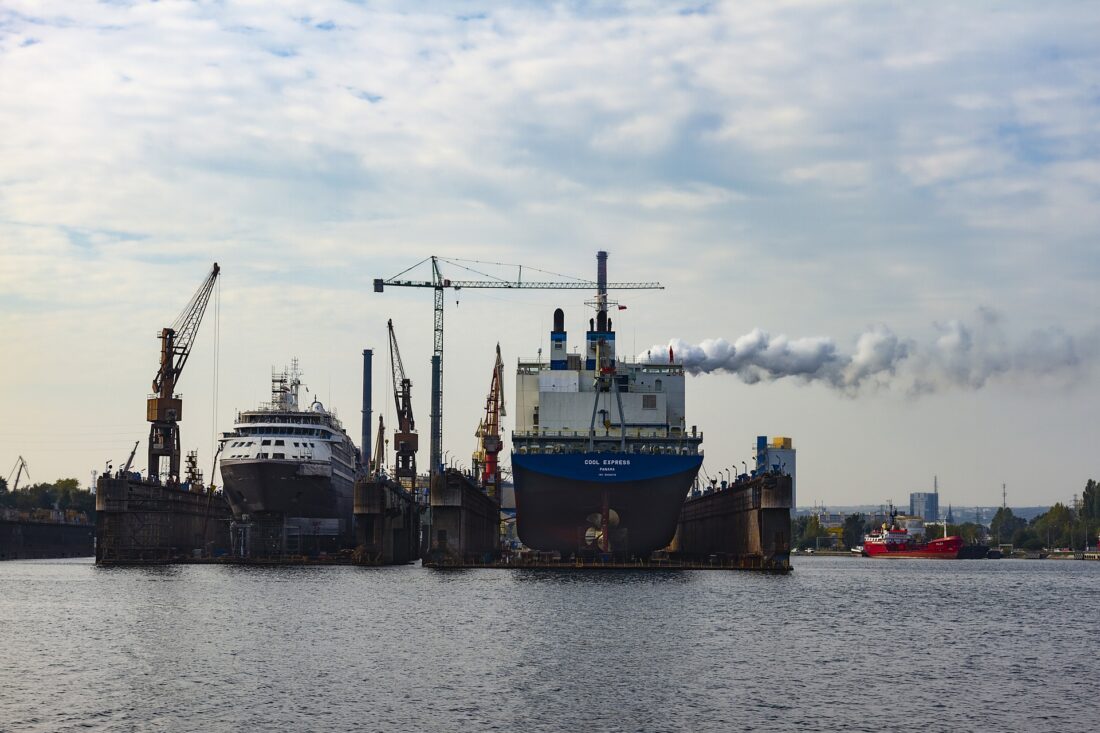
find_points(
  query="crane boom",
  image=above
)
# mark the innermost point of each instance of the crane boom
(405, 439)
(486, 462)
(165, 408)
(19, 469)
(181, 336)
(439, 283)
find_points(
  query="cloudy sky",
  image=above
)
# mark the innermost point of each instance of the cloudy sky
(876, 223)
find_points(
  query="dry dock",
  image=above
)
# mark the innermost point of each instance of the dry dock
(138, 522)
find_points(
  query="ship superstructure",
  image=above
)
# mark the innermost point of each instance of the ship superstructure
(288, 474)
(602, 456)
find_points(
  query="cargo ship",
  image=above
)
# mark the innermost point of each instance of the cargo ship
(289, 475)
(602, 459)
(893, 541)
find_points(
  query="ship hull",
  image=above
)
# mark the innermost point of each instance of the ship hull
(286, 487)
(560, 499)
(946, 548)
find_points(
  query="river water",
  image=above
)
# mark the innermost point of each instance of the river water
(840, 644)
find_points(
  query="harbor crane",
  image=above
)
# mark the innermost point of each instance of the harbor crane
(405, 439)
(486, 457)
(165, 407)
(378, 463)
(439, 284)
(18, 469)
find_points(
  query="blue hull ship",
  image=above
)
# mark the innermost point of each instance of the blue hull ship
(602, 458)
(569, 502)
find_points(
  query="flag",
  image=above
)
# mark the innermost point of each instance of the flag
(622, 307)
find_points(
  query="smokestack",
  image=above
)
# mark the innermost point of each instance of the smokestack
(601, 291)
(558, 347)
(368, 356)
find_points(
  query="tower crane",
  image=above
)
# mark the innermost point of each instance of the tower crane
(439, 283)
(165, 407)
(486, 461)
(18, 469)
(405, 440)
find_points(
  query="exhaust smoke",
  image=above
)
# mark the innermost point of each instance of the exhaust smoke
(964, 355)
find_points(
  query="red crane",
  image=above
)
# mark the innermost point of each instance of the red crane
(488, 432)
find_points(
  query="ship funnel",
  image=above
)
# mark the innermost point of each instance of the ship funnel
(558, 349)
(601, 291)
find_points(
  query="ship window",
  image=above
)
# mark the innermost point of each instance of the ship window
(265, 442)
(261, 455)
(295, 444)
(278, 455)
(649, 402)
(278, 442)
(657, 385)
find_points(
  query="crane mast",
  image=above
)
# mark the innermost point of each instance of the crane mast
(486, 457)
(439, 283)
(405, 440)
(165, 408)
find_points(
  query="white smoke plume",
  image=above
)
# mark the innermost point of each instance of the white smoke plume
(964, 355)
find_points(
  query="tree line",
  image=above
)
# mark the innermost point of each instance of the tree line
(62, 495)
(1059, 526)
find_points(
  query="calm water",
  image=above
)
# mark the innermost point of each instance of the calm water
(841, 644)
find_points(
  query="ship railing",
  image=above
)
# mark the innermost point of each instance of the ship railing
(653, 430)
(542, 447)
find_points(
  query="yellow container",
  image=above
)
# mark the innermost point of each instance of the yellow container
(781, 442)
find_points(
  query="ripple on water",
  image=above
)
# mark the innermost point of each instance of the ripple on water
(839, 644)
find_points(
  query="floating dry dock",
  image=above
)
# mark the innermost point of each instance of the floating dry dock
(746, 525)
(387, 523)
(139, 522)
(465, 523)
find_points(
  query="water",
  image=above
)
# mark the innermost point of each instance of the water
(840, 644)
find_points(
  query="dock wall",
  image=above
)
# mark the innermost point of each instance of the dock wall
(387, 523)
(139, 522)
(747, 524)
(465, 522)
(28, 540)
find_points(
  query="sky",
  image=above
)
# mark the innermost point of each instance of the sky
(876, 224)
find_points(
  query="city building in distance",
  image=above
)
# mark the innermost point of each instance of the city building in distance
(926, 504)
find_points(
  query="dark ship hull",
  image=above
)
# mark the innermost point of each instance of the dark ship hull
(560, 499)
(303, 495)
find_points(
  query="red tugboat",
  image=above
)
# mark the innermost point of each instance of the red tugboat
(893, 541)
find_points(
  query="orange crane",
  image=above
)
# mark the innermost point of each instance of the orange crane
(405, 440)
(164, 409)
(488, 433)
